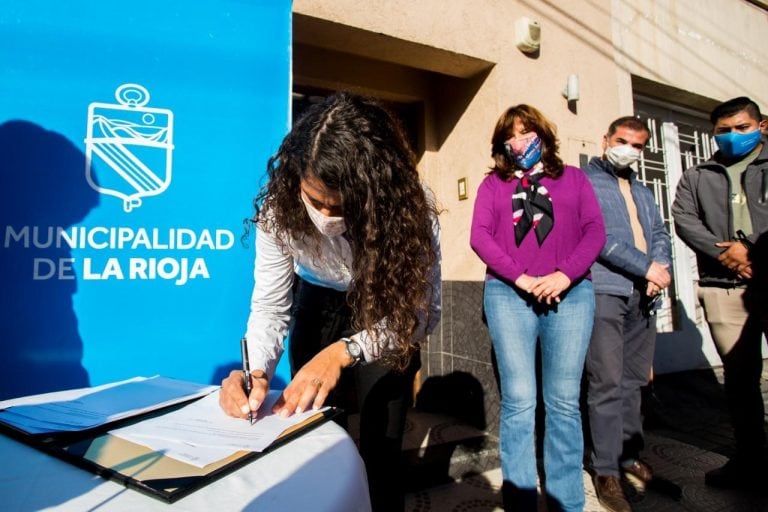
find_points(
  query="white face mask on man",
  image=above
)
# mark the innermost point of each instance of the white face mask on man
(329, 226)
(622, 156)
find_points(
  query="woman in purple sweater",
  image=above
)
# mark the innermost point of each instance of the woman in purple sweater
(537, 226)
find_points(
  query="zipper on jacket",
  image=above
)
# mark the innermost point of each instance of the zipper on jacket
(728, 193)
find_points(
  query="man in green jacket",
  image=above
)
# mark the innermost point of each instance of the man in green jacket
(721, 212)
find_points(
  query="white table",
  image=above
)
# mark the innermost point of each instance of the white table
(319, 471)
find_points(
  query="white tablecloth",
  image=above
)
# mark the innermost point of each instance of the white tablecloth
(319, 471)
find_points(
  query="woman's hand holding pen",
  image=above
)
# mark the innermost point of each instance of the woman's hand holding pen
(310, 386)
(232, 397)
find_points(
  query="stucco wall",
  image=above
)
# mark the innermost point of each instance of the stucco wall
(704, 48)
(485, 30)
(457, 60)
(714, 48)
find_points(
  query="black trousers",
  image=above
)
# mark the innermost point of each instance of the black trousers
(380, 395)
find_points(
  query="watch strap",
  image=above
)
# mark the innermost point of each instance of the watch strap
(356, 354)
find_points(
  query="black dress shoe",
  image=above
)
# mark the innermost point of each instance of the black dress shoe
(610, 494)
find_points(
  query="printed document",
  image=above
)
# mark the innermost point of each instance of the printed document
(201, 433)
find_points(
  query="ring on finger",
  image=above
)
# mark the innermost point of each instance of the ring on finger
(316, 382)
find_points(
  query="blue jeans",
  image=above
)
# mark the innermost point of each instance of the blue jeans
(515, 321)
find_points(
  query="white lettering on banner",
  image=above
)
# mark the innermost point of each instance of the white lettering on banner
(46, 268)
(180, 270)
(65, 268)
(101, 237)
(92, 242)
(170, 269)
(11, 233)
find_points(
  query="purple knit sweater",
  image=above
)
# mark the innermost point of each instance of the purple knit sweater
(572, 246)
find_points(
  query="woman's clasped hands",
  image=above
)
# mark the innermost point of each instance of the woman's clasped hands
(544, 288)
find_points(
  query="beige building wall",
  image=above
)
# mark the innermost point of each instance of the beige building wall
(711, 48)
(452, 67)
(463, 103)
(458, 62)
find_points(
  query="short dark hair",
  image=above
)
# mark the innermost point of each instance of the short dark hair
(631, 122)
(733, 107)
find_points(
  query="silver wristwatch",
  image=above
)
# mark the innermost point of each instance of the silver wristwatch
(354, 350)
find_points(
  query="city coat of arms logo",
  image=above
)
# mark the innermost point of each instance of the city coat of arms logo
(129, 147)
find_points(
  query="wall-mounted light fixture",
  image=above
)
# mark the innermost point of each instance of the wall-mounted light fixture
(571, 89)
(527, 35)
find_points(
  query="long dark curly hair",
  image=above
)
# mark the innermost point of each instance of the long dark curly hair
(356, 147)
(534, 121)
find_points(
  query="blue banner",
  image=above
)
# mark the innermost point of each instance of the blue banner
(133, 137)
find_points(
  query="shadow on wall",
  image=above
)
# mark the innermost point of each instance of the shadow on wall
(448, 417)
(453, 96)
(682, 349)
(457, 394)
(42, 186)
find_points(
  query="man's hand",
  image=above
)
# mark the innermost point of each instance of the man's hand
(232, 398)
(549, 287)
(312, 383)
(736, 258)
(659, 275)
(652, 290)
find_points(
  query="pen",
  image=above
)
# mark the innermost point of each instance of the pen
(246, 375)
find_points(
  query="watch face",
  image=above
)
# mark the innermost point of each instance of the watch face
(354, 349)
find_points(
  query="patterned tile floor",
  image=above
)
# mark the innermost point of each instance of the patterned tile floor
(687, 434)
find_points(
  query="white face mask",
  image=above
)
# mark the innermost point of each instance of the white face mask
(622, 156)
(329, 226)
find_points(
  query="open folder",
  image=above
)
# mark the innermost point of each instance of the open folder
(134, 464)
